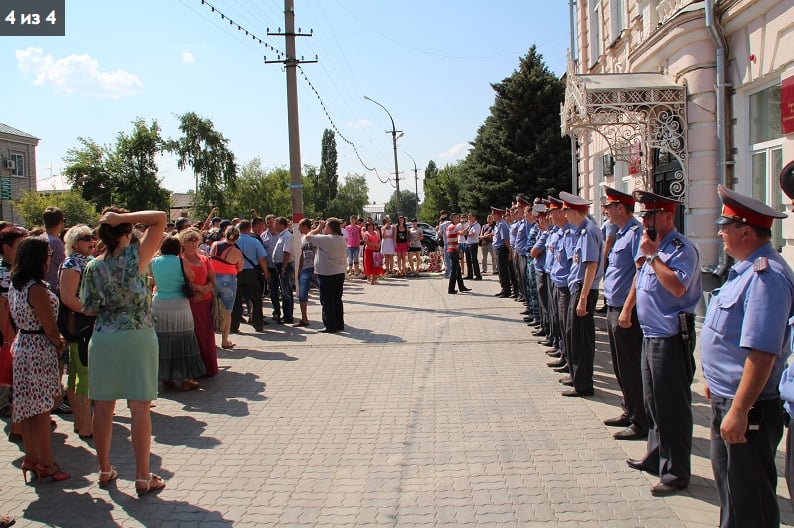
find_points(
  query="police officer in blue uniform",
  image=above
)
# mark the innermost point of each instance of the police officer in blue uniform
(561, 250)
(583, 279)
(533, 305)
(542, 268)
(625, 344)
(744, 345)
(521, 229)
(667, 288)
(501, 244)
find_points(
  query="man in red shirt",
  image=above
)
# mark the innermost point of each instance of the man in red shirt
(451, 248)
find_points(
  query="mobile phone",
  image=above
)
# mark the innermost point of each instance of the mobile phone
(754, 417)
(651, 233)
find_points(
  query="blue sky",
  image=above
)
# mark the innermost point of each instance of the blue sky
(430, 62)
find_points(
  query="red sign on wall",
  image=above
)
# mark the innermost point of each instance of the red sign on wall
(787, 106)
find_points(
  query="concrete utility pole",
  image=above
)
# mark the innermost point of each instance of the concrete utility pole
(394, 137)
(416, 184)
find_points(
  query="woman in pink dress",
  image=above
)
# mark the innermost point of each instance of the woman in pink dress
(371, 246)
(201, 303)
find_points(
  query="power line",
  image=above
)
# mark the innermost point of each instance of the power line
(248, 33)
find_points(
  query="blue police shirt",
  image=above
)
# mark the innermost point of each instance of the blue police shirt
(252, 248)
(657, 308)
(500, 233)
(588, 247)
(750, 311)
(551, 241)
(563, 249)
(532, 237)
(520, 240)
(619, 274)
(540, 245)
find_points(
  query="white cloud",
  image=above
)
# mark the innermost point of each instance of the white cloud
(358, 123)
(76, 74)
(455, 152)
(188, 57)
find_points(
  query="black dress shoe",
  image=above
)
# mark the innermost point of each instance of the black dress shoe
(465, 289)
(499, 294)
(566, 380)
(640, 465)
(550, 351)
(528, 319)
(554, 354)
(534, 324)
(539, 333)
(504, 295)
(563, 369)
(558, 363)
(573, 393)
(546, 342)
(477, 278)
(327, 331)
(663, 489)
(453, 292)
(468, 277)
(630, 433)
(525, 312)
(619, 421)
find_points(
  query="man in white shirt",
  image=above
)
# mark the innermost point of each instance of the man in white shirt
(285, 267)
(472, 245)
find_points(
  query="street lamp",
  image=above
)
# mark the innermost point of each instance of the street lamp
(394, 137)
(416, 184)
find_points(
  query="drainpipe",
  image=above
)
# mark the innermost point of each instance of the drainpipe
(574, 57)
(715, 30)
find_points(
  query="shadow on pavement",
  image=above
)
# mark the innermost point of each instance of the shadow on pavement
(228, 393)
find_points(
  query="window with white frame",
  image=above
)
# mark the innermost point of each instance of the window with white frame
(617, 18)
(766, 153)
(17, 164)
(595, 31)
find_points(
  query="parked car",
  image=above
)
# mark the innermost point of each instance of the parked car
(429, 240)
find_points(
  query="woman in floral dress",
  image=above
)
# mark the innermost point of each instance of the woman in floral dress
(36, 349)
(123, 349)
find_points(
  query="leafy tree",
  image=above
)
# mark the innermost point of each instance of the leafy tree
(133, 170)
(207, 152)
(442, 191)
(326, 181)
(75, 208)
(431, 171)
(408, 202)
(352, 197)
(519, 149)
(86, 170)
(256, 188)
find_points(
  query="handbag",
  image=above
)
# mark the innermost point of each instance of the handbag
(218, 313)
(187, 288)
(6, 357)
(377, 259)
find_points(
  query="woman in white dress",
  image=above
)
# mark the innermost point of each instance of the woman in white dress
(387, 247)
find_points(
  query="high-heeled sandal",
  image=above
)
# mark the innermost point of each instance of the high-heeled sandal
(28, 465)
(43, 471)
(153, 483)
(7, 521)
(110, 476)
(189, 385)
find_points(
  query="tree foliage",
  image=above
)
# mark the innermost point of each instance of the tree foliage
(442, 190)
(86, 171)
(326, 181)
(259, 189)
(207, 153)
(519, 148)
(76, 209)
(351, 199)
(408, 203)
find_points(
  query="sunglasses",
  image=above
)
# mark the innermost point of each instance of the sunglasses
(87, 238)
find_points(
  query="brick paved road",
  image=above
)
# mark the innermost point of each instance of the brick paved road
(432, 410)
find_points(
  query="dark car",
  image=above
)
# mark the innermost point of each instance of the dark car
(429, 241)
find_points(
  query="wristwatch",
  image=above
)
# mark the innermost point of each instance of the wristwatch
(651, 258)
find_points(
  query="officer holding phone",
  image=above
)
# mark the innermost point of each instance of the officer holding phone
(666, 290)
(744, 346)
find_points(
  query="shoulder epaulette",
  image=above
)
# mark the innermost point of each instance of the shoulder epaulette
(584, 230)
(760, 264)
(678, 243)
(634, 227)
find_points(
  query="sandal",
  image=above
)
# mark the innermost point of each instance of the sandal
(189, 385)
(301, 323)
(6, 521)
(153, 483)
(229, 346)
(110, 476)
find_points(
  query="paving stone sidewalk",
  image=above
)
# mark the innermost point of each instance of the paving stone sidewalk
(430, 410)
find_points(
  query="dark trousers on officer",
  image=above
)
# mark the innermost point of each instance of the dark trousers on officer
(275, 290)
(666, 378)
(520, 263)
(745, 474)
(503, 262)
(542, 281)
(625, 346)
(581, 338)
(286, 282)
(790, 462)
(562, 297)
(472, 263)
(533, 305)
(249, 288)
(455, 275)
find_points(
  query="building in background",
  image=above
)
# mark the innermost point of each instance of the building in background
(676, 96)
(17, 169)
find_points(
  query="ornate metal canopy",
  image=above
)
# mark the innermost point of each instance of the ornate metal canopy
(635, 113)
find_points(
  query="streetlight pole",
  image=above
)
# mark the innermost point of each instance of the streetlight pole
(394, 132)
(416, 184)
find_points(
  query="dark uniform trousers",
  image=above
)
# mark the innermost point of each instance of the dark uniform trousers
(581, 338)
(542, 281)
(562, 298)
(472, 263)
(745, 474)
(249, 288)
(521, 275)
(666, 378)
(273, 287)
(512, 273)
(625, 345)
(455, 275)
(532, 290)
(503, 262)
